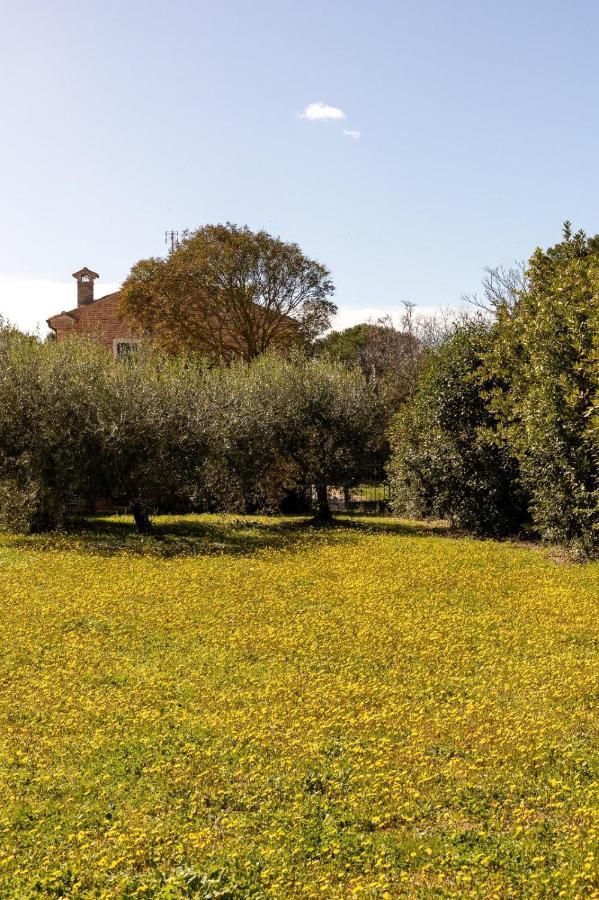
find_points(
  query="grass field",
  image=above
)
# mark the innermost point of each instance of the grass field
(255, 708)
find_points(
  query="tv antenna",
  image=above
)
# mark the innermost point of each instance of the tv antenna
(172, 238)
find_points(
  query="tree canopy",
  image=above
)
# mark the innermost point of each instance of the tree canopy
(390, 356)
(154, 432)
(228, 292)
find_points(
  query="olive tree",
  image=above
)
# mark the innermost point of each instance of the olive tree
(77, 425)
(337, 411)
(153, 433)
(280, 425)
(250, 467)
(50, 444)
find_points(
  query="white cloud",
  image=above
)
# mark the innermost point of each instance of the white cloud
(28, 302)
(352, 134)
(321, 112)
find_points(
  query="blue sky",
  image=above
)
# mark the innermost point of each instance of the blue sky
(478, 136)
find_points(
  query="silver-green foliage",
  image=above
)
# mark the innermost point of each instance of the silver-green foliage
(49, 434)
(153, 432)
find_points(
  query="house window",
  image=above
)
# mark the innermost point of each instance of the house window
(123, 349)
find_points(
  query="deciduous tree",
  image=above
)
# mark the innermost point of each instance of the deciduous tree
(227, 292)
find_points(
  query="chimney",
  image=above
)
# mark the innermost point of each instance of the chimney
(85, 285)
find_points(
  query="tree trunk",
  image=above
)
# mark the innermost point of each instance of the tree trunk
(42, 523)
(346, 496)
(323, 513)
(142, 520)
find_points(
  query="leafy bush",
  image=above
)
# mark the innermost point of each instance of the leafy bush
(507, 415)
(447, 457)
(547, 343)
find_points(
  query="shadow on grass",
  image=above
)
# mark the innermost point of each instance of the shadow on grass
(193, 535)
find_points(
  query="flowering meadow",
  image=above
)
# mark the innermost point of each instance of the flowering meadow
(252, 707)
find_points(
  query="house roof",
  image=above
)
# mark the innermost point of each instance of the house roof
(85, 271)
(77, 312)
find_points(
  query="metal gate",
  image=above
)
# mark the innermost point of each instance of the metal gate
(368, 493)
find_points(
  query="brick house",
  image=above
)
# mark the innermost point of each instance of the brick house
(98, 318)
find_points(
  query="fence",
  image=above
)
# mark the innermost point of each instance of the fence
(370, 493)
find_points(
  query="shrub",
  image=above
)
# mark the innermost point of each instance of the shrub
(548, 343)
(447, 457)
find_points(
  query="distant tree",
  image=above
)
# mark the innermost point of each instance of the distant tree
(227, 292)
(394, 358)
(502, 288)
(389, 355)
(347, 346)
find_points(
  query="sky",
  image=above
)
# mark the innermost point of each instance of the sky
(406, 145)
